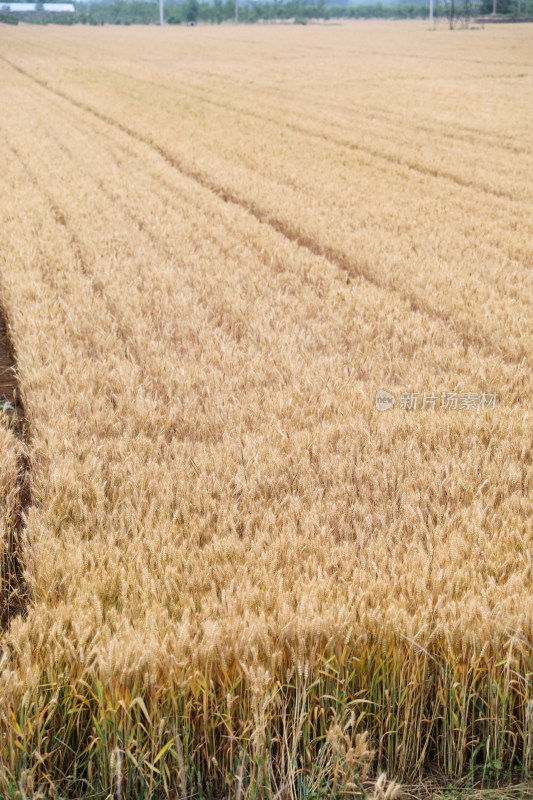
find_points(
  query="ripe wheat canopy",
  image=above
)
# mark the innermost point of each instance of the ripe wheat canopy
(217, 245)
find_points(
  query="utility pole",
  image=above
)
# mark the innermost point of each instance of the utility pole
(494, 6)
(236, 12)
(431, 12)
(161, 12)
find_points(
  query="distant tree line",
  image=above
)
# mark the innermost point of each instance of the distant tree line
(218, 11)
(146, 12)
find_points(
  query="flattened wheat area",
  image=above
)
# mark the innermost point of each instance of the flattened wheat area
(266, 424)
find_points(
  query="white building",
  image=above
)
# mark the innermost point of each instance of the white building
(24, 8)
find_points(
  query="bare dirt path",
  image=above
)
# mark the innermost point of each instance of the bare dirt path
(14, 591)
(8, 379)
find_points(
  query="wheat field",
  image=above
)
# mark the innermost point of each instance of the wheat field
(217, 245)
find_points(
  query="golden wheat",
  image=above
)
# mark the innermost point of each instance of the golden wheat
(213, 257)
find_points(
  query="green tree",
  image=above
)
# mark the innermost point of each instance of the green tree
(191, 10)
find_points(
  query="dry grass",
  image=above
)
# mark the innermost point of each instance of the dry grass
(217, 245)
